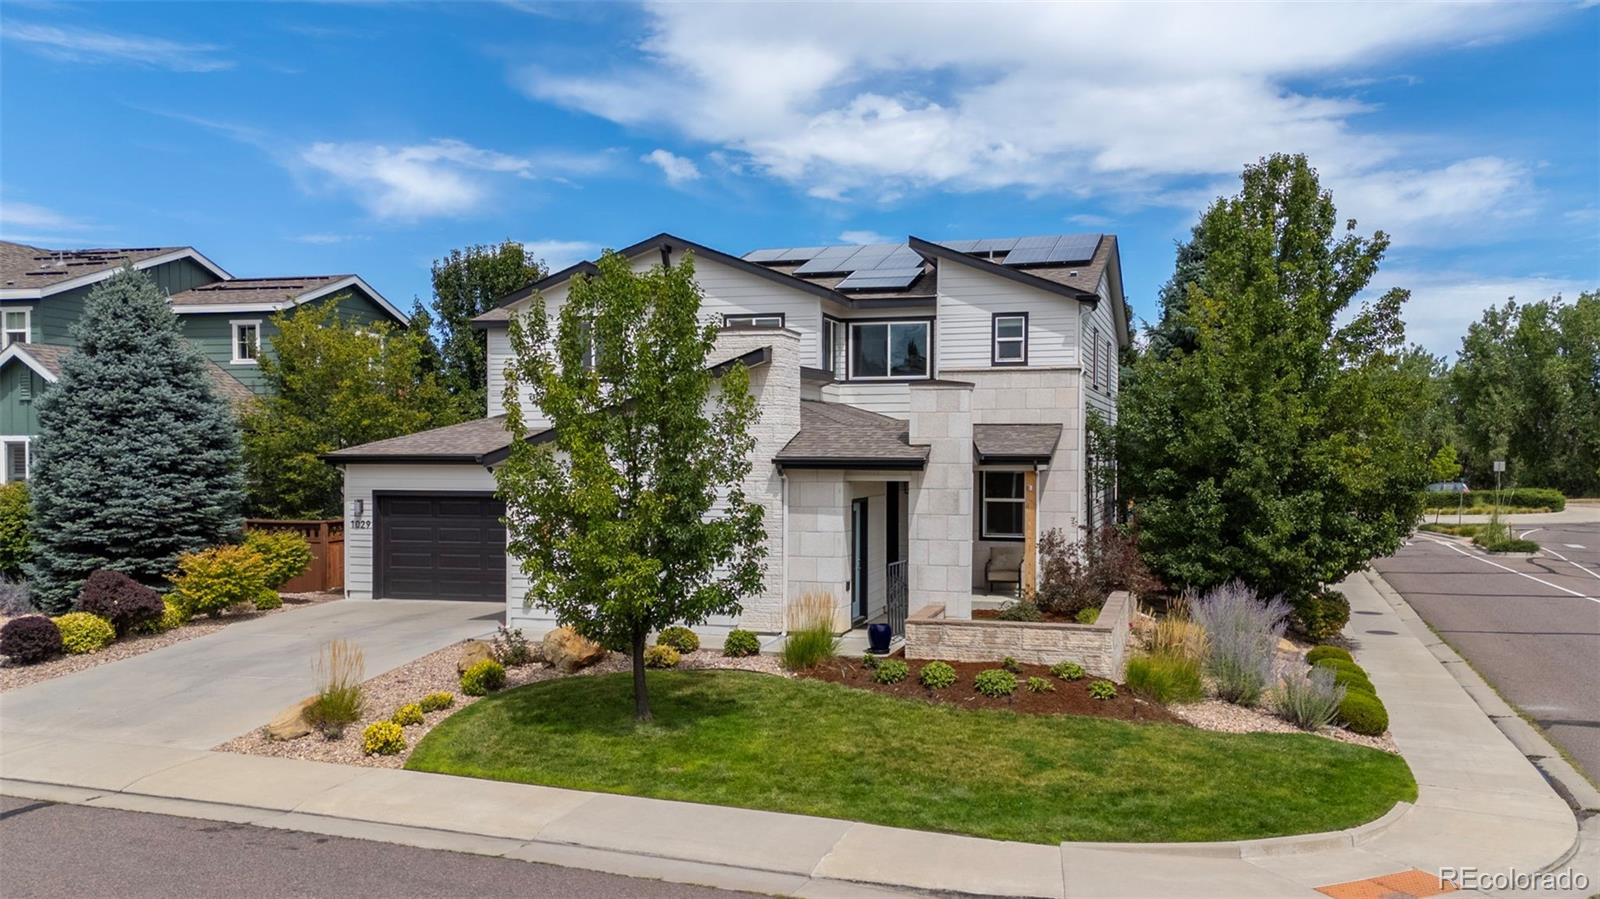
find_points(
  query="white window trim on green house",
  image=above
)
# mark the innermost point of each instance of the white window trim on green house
(10, 446)
(251, 345)
(25, 329)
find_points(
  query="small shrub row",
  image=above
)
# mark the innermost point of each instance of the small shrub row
(483, 677)
(119, 599)
(1102, 689)
(285, 554)
(891, 671)
(680, 638)
(83, 633)
(1308, 699)
(30, 640)
(1511, 545)
(661, 656)
(436, 701)
(1067, 670)
(740, 644)
(408, 714)
(1519, 497)
(384, 738)
(937, 675)
(1357, 706)
(995, 683)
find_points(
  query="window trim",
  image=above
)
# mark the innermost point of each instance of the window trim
(233, 340)
(832, 343)
(27, 458)
(995, 338)
(747, 319)
(984, 500)
(850, 348)
(27, 326)
(1094, 357)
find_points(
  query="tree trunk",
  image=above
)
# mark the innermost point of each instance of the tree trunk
(641, 695)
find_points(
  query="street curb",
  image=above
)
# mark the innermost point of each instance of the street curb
(1573, 788)
(1267, 847)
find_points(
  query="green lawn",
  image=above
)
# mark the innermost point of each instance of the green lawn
(808, 747)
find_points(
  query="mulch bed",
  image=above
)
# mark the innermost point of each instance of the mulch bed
(1068, 698)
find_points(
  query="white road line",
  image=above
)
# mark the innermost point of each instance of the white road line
(1574, 546)
(1454, 548)
(1524, 534)
(1572, 563)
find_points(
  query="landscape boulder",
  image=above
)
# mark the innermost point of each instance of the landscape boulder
(291, 724)
(476, 651)
(564, 649)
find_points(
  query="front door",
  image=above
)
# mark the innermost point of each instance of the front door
(858, 557)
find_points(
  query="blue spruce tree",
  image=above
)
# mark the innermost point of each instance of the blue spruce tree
(137, 459)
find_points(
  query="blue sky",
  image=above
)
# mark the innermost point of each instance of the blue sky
(334, 137)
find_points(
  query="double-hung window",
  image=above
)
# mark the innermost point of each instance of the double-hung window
(17, 326)
(1009, 331)
(1003, 502)
(16, 460)
(753, 321)
(246, 342)
(890, 349)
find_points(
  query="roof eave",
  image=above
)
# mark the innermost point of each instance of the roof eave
(334, 458)
(818, 462)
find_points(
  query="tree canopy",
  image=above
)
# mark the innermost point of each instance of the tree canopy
(1265, 441)
(467, 283)
(332, 385)
(634, 518)
(137, 459)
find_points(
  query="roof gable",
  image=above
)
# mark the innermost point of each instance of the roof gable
(28, 272)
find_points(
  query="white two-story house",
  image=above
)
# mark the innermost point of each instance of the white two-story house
(923, 409)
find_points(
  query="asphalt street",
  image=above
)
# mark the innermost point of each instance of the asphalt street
(51, 850)
(1531, 627)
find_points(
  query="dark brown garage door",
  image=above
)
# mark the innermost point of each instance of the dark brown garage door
(441, 546)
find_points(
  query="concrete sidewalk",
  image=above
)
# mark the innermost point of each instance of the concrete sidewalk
(1481, 803)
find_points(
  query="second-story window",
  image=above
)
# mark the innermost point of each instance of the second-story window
(16, 326)
(246, 342)
(889, 349)
(753, 321)
(1010, 334)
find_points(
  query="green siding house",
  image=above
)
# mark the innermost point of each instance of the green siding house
(42, 293)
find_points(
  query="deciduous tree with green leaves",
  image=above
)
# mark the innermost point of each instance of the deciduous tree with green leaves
(137, 458)
(1267, 442)
(469, 282)
(634, 517)
(332, 385)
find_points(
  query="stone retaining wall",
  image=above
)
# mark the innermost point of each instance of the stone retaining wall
(1098, 647)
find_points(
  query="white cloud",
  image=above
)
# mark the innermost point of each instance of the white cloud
(1443, 303)
(558, 254)
(323, 238)
(41, 225)
(678, 169)
(83, 45)
(441, 177)
(848, 100)
(865, 237)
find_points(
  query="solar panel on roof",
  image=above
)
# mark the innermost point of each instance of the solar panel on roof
(880, 279)
(1029, 255)
(764, 255)
(962, 246)
(1065, 248)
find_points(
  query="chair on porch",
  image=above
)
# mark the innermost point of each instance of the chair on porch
(1004, 567)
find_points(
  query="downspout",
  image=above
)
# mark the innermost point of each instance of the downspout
(783, 629)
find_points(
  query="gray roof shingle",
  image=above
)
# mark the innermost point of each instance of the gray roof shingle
(25, 266)
(226, 386)
(1015, 443)
(834, 435)
(253, 290)
(468, 441)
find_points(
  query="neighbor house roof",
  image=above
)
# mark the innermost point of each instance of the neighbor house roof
(45, 358)
(28, 272)
(272, 294)
(834, 435)
(1015, 444)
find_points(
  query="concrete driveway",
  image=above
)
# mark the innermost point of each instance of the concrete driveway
(201, 692)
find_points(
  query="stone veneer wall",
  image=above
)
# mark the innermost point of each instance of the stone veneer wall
(940, 504)
(1098, 647)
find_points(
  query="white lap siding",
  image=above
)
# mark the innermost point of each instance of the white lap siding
(968, 302)
(362, 481)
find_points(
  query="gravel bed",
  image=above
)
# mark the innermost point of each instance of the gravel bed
(437, 672)
(1215, 714)
(13, 677)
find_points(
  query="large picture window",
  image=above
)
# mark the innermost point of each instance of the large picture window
(1003, 501)
(889, 349)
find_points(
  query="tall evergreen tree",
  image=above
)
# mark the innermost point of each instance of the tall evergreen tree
(137, 459)
(467, 283)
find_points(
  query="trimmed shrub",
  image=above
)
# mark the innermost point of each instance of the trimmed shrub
(268, 600)
(1320, 616)
(287, 554)
(661, 656)
(1318, 653)
(30, 639)
(1102, 689)
(171, 617)
(1512, 545)
(1020, 610)
(1363, 713)
(1039, 685)
(212, 581)
(1348, 674)
(740, 643)
(680, 638)
(1518, 497)
(1307, 699)
(1165, 678)
(16, 529)
(483, 677)
(1067, 670)
(1087, 616)
(1012, 665)
(119, 599)
(811, 640)
(1243, 634)
(407, 715)
(383, 738)
(510, 647)
(83, 633)
(936, 675)
(437, 701)
(891, 671)
(995, 683)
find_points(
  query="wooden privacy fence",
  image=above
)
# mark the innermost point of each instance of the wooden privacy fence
(326, 537)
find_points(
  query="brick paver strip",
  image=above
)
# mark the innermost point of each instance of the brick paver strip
(1411, 884)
